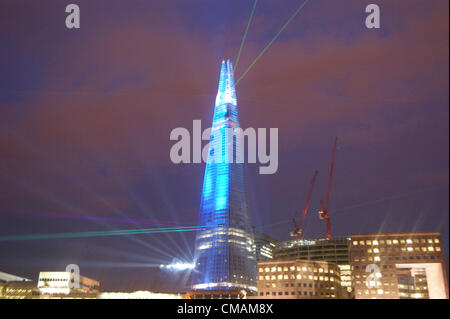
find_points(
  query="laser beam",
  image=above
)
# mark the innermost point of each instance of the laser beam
(245, 35)
(364, 204)
(272, 41)
(104, 233)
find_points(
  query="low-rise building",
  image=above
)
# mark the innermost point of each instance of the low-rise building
(5, 277)
(298, 279)
(398, 265)
(334, 250)
(60, 284)
(25, 289)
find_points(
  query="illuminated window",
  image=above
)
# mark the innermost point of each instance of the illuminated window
(375, 242)
(395, 241)
(409, 241)
(430, 248)
(355, 243)
(436, 240)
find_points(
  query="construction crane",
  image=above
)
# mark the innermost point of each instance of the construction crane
(323, 214)
(298, 228)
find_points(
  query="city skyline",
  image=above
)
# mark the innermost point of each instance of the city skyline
(86, 116)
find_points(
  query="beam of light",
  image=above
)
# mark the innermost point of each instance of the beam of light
(245, 36)
(103, 233)
(380, 200)
(116, 264)
(140, 221)
(79, 183)
(363, 204)
(85, 187)
(170, 243)
(272, 41)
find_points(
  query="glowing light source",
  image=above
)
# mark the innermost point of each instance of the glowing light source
(178, 266)
(138, 295)
(104, 233)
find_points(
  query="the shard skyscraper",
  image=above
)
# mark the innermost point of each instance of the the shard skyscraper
(224, 252)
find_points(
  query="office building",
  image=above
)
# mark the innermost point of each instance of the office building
(398, 265)
(224, 249)
(299, 279)
(334, 250)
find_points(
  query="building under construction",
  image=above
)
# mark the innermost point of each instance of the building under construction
(383, 265)
(264, 246)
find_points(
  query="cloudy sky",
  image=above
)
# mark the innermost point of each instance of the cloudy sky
(86, 114)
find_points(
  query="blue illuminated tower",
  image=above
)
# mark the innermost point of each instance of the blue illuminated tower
(224, 251)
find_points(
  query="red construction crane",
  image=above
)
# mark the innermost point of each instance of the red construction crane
(323, 214)
(298, 228)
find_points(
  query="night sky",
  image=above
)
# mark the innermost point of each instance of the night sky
(86, 114)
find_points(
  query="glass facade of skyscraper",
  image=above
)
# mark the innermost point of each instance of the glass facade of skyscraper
(224, 252)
